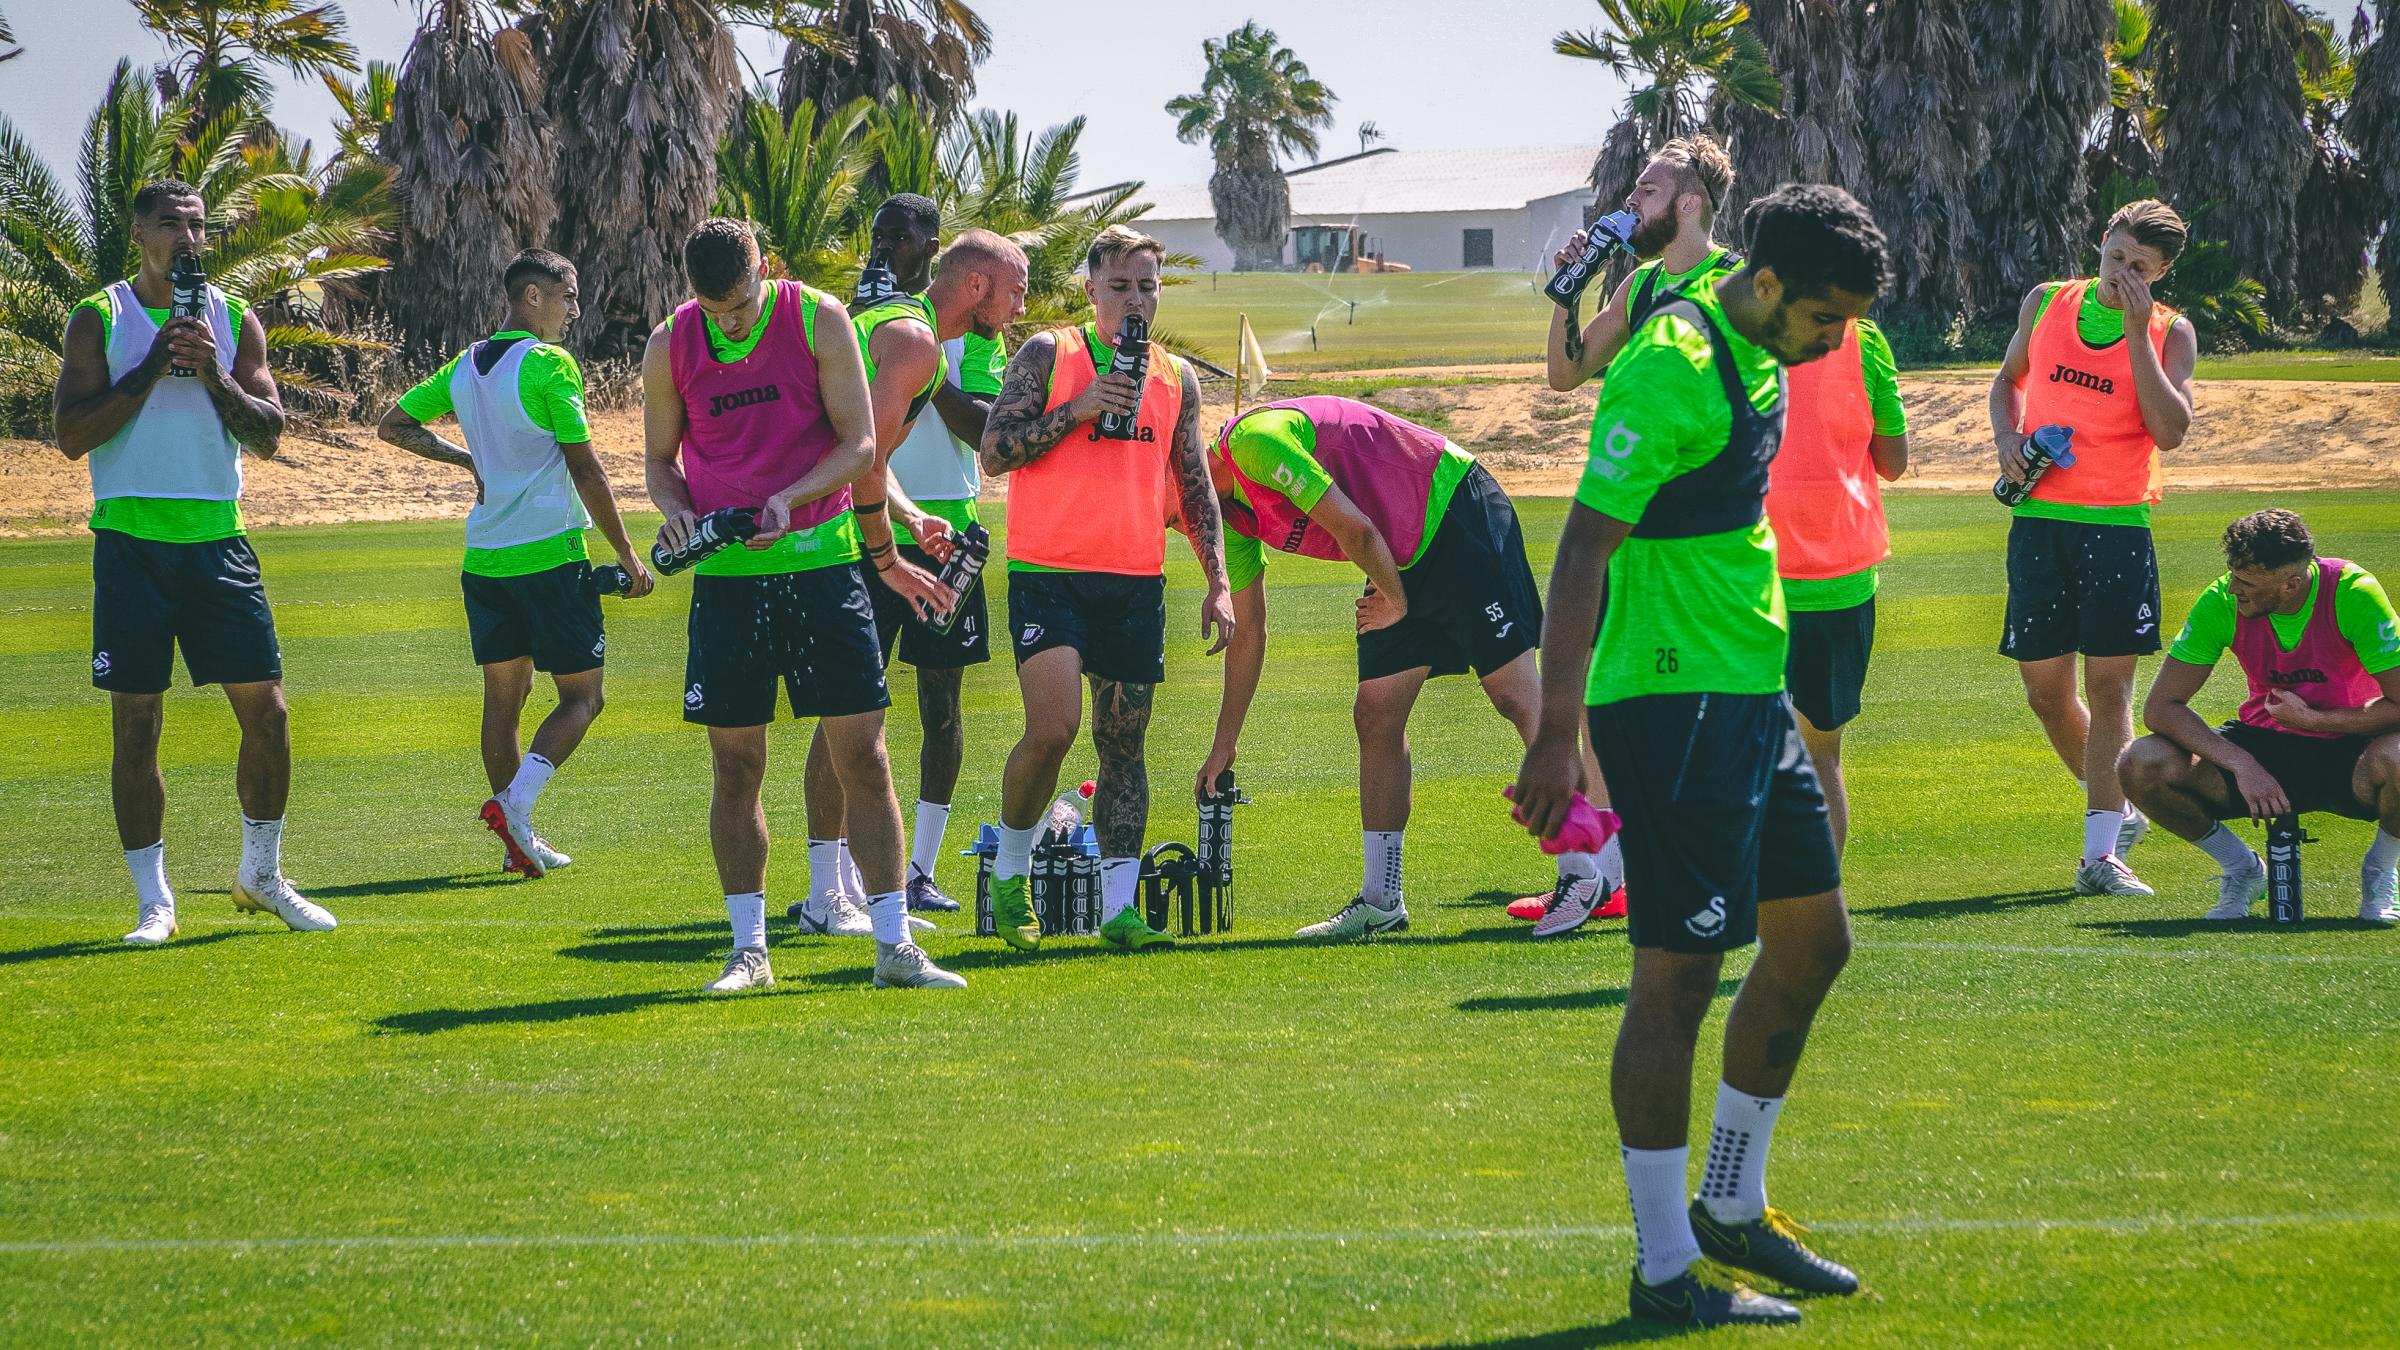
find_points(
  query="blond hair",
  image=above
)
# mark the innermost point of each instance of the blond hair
(1703, 166)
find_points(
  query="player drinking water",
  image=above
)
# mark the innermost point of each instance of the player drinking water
(1087, 583)
(757, 388)
(1450, 591)
(906, 341)
(170, 564)
(1726, 836)
(2105, 360)
(2320, 730)
(1843, 427)
(532, 605)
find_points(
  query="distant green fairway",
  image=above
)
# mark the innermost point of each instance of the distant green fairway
(493, 1111)
(1474, 318)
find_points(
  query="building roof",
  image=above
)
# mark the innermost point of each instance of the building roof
(1391, 182)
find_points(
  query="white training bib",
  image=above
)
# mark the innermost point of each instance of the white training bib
(931, 464)
(528, 495)
(176, 445)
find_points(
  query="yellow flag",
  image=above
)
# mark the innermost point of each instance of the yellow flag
(1253, 359)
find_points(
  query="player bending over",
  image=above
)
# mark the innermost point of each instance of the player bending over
(1726, 836)
(170, 564)
(532, 605)
(1449, 590)
(784, 426)
(1087, 586)
(2320, 730)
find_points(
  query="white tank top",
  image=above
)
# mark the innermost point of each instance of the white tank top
(931, 464)
(528, 495)
(176, 445)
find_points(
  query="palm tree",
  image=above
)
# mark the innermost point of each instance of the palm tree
(2127, 145)
(918, 51)
(1257, 101)
(1691, 52)
(1815, 134)
(2340, 219)
(2234, 135)
(796, 179)
(2372, 124)
(8, 39)
(365, 106)
(640, 92)
(475, 166)
(2042, 67)
(278, 235)
(1924, 139)
(223, 48)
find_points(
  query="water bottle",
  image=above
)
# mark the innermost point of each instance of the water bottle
(610, 579)
(973, 549)
(877, 282)
(2047, 446)
(1067, 812)
(1215, 862)
(1133, 358)
(189, 299)
(2284, 838)
(1608, 236)
(724, 526)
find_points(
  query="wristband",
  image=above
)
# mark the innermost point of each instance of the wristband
(873, 508)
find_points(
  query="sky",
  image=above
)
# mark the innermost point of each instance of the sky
(1428, 73)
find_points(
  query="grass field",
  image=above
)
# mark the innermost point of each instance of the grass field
(1468, 318)
(492, 1111)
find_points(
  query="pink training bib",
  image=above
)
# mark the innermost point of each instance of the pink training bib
(1383, 464)
(2323, 669)
(756, 426)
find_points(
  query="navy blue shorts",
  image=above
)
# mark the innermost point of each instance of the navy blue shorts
(903, 633)
(1472, 604)
(150, 597)
(811, 632)
(1117, 623)
(2079, 587)
(552, 616)
(1722, 810)
(1825, 668)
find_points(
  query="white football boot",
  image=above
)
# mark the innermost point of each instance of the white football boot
(747, 968)
(2108, 876)
(2238, 890)
(1575, 900)
(2378, 894)
(904, 965)
(156, 926)
(274, 895)
(1359, 919)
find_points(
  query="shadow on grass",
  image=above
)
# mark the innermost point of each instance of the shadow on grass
(1483, 899)
(465, 881)
(2239, 928)
(1576, 1000)
(2006, 902)
(428, 1020)
(103, 946)
(1623, 1331)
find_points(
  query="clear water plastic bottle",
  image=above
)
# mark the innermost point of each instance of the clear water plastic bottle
(1067, 812)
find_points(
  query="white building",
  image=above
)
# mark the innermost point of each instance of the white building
(1431, 210)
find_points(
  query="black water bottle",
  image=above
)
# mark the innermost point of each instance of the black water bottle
(1608, 236)
(970, 549)
(2045, 447)
(2284, 838)
(877, 282)
(189, 299)
(610, 579)
(719, 528)
(1133, 358)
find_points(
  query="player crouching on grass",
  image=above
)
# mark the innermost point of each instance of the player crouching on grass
(2320, 730)
(754, 396)
(1726, 838)
(531, 603)
(1449, 591)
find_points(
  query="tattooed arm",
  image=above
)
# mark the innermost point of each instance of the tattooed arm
(1019, 431)
(246, 398)
(1198, 497)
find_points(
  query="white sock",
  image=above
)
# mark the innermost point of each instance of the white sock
(888, 912)
(1119, 879)
(262, 849)
(1662, 1223)
(2100, 833)
(1734, 1183)
(149, 868)
(1015, 857)
(2382, 854)
(1612, 859)
(2230, 850)
(1579, 866)
(853, 885)
(824, 869)
(749, 915)
(933, 820)
(533, 774)
(1382, 888)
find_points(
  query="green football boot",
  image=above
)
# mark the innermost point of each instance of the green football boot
(1013, 916)
(1127, 932)
(1707, 1295)
(1770, 1246)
